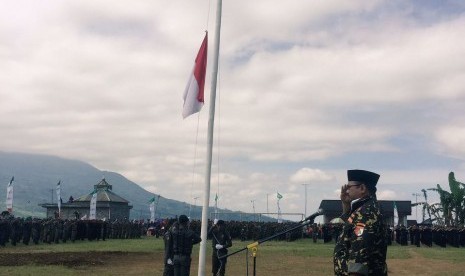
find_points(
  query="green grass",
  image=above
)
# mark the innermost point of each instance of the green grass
(296, 248)
(130, 245)
(37, 270)
(449, 253)
(396, 251)
(301, 257)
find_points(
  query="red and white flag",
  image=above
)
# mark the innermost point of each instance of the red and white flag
(193, 94)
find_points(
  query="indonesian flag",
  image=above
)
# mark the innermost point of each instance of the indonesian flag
(193, 94)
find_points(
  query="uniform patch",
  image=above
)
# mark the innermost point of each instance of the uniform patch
(359, 229)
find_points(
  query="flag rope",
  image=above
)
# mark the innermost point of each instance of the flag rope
(218, 139)
(194, 165)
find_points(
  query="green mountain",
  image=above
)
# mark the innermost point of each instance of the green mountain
(36, 176)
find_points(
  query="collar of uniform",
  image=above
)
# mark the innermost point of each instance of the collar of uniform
(357, 203)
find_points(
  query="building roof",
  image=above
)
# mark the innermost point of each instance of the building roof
(104, 194)
(386, 206)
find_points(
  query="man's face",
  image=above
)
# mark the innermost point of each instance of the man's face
(355, 189)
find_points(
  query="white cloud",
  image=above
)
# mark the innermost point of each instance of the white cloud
(452, 139)
(303, 85)
(386, 195)
(308, 175)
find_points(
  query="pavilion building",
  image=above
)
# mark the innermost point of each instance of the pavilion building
(110, 206)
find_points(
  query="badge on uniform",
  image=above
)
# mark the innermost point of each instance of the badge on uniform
(359, 229)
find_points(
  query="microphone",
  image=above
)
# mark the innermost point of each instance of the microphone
(314, 215)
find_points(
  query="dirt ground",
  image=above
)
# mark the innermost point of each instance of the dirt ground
(151, 263)
(69, 259)
(419, 265)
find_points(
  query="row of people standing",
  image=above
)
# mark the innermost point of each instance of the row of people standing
(28, 230)
(430, 235)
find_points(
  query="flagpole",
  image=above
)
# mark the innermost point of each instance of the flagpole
(211, 120)
(58, 190)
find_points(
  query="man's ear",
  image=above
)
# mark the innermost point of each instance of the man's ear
(364, 189)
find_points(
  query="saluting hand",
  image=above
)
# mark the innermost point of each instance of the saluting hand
(344, 195)
(345, 199)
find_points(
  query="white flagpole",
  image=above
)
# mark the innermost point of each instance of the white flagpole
(206, 197)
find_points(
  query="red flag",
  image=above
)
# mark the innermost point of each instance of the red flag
(193, 94)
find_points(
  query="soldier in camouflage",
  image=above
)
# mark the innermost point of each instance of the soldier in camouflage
(361, 247)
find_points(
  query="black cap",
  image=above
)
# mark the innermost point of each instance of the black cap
(367, 177)
(183, 219)
(220, 222)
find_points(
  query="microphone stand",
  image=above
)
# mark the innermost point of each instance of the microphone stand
(254, 246)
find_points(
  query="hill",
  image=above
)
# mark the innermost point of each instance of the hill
(36, 177)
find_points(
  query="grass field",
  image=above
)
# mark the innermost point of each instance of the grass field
(145, 257)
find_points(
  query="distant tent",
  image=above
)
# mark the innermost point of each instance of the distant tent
(336, 220)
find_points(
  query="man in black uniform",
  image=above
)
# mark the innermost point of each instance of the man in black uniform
(181, 241)
(169, 269)
(36, 226)
(221, 240)
(361, 247)
(27, 229)
(4, 228)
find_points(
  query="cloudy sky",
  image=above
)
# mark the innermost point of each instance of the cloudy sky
(307, 89)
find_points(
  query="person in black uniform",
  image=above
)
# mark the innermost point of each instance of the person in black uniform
(36, 227)
(27, 229)
(180, 242)
(168, 269)
(4, 228)
(361, 248)
(221, 240)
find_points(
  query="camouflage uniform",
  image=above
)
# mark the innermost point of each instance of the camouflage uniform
(361, 247)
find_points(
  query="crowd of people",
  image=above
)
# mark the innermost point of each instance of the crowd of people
(241, 230)
(54, 230)
(429, 235)
(29, 230)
